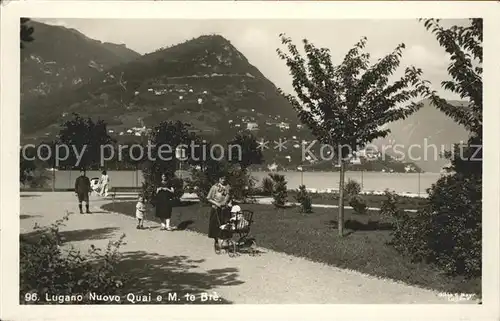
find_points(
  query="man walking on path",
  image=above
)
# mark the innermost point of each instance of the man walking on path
(82, 190)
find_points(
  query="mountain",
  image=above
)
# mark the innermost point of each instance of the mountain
(205, 81)
(424, 135)
(59, 58)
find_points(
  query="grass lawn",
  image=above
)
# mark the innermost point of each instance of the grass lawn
(409, 203)
(314, 236)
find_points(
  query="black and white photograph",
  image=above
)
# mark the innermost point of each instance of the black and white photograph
(250, 160)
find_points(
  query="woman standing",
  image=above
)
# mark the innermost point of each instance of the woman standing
(104, 184)
(218, 196)
(164, 196)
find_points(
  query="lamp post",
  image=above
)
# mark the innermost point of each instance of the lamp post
(301, 169)
(419, 183)
(180, 154)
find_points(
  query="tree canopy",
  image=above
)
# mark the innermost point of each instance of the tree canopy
(250, 153)
(26, 32)
(84, 136)
(347, 104)
(464, 45)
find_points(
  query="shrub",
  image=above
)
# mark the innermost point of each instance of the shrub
(39, 178)
(267, 186)
(242, 184)
(178, 185)
(305, 200)
(352, 188)
(202, 179)
(448, 231)
(389, 208)
(200, 183)
(280, 193)
(358, 204)
(46, 269)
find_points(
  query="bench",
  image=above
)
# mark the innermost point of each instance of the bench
(129, 190)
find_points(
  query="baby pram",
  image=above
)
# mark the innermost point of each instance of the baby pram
(95, 185)
(236, 233)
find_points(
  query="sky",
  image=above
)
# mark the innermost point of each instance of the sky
(258, 40)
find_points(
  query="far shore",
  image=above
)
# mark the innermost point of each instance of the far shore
(330, 191)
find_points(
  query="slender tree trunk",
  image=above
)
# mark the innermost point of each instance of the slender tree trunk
(136, 175)
(341, 199)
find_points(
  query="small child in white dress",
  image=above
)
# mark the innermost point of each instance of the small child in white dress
(236, 221)
(141, 211)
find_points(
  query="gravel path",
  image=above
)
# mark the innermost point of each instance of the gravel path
(186, 260)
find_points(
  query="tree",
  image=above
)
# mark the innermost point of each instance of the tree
(346, 105)
(448, 231)
(250, 153)
(26, 168)
(464, 45)
(26, 32)
(84, 138)
(207, 169)
(161, 157)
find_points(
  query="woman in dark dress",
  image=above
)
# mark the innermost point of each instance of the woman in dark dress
(164, 196)
(218, 196)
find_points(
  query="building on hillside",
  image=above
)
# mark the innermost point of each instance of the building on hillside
(410, 168)
(284, 126)
(369, 154)
(138, 131)
(355, 160)
(252, 126)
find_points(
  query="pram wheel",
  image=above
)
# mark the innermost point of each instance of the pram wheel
(253, 248)
(232, 249)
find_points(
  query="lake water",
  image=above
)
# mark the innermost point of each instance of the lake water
(371, 181)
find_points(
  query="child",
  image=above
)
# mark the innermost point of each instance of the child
(236, 221)
(141, 209)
